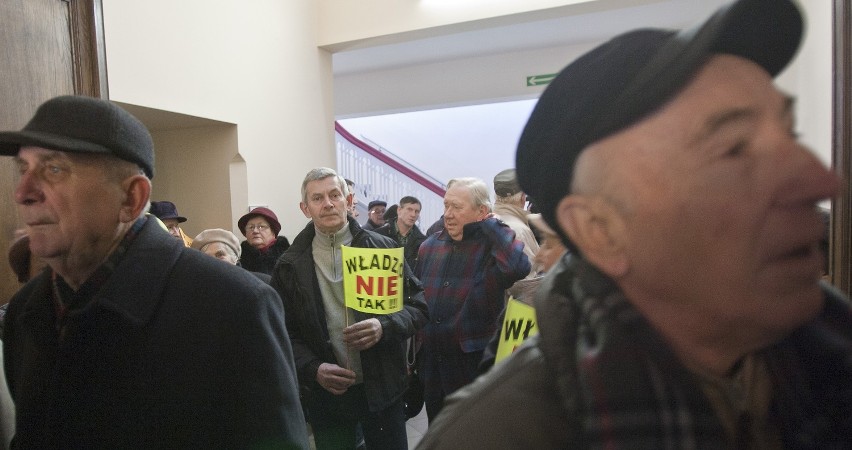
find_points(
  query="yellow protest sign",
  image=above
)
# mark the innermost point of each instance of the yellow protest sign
(519, 324)
(372, 279)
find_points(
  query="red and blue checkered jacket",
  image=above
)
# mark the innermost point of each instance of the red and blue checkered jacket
(465, 283)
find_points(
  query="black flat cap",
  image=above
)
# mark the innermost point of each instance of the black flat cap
(79, 124)
(627, 78)
(376, 203)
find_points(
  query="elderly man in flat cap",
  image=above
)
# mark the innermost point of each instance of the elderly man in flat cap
(375, 215)
(509, 201)
(131, 340)
(689, 313)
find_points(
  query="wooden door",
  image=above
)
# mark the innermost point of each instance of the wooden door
(47, 48)
(840, 267)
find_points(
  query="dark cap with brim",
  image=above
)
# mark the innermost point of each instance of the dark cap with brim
(629, 77)
(166, 211)
(79, 124)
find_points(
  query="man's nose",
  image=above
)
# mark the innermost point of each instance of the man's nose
(28, 190)
(808, 179)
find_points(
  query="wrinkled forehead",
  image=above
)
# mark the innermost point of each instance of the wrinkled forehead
(459, 192)
(325, 185)
(30, 154)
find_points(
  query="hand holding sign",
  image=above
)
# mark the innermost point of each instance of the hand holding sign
(363, 335)
(335, 379)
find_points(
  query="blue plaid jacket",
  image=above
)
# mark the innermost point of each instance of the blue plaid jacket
(464, 283)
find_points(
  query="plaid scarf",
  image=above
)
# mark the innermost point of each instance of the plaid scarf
(627, 389)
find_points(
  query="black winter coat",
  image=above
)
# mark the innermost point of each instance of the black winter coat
(254, 260)
(176, 350)
(383, 364)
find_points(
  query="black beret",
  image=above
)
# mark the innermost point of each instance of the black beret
(627, 78)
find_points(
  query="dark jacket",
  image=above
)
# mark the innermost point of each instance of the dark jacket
(412, 245)
(254, 260)
(369, 225)
(598, 375)
(176, 350)
(383, 364)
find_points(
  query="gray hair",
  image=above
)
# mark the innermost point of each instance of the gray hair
(116, 170)
(321, 173)
(477, 188)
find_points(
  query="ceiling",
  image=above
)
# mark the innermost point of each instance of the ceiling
(480, 140)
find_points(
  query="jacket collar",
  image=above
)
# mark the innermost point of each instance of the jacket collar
(134, 288)
(303, 241)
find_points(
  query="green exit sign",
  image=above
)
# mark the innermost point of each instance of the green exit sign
(540, 80)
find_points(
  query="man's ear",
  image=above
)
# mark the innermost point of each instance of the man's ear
(137, 192)
(304, 207)
(483, 212)
(598, 230)
(349, 201)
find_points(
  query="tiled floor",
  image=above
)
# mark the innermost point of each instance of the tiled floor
(416, 428)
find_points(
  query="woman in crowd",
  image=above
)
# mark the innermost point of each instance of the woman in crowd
(263, 246)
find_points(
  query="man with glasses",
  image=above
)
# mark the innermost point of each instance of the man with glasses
(376, 214)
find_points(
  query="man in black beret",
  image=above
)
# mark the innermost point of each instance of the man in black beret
(689, 313)
(129, 339)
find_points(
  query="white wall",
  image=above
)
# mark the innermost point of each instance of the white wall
(348, 24)
(469, 81)
(258, 65)
(809, 79)
(501, 77)
(254, 64)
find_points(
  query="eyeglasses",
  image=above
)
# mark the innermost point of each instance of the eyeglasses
(257, 227)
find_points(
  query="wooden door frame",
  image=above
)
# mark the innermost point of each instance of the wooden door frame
(841, 210)
(88, 49)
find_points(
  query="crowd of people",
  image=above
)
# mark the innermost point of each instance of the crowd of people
(670, 248)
